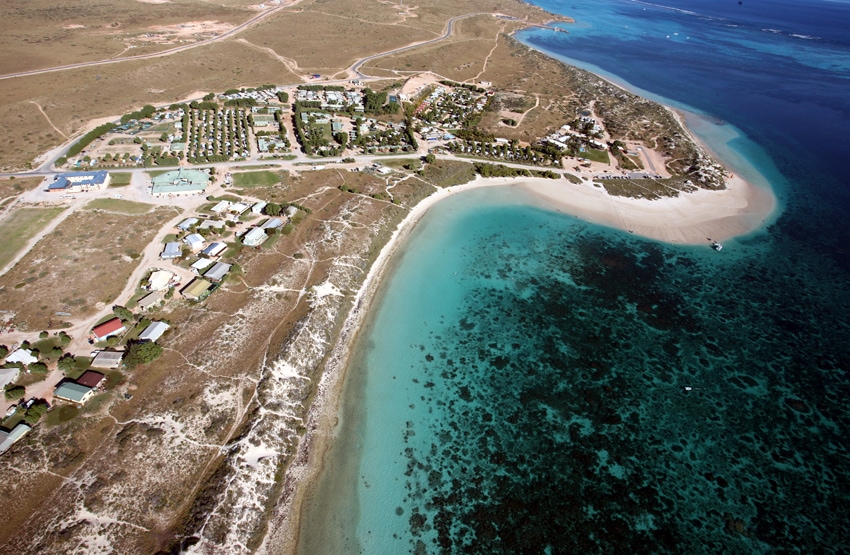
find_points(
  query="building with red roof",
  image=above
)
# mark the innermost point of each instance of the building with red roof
(91, 379)
(110, 327)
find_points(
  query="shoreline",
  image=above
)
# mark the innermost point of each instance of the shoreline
(323, 415)
(734, 211)
(693, 218)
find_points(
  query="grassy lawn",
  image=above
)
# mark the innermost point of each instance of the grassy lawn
(572, 178)
(120, 206)
(60, 414)
(255, 179)
(120, 179)
(21, 226)
(596, 155)
(399, 163)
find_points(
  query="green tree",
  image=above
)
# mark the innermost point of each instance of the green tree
(37, 368)
(43, 335)
(430, 159)
(125, 314)
(208, 97)
(14, 392)
(55, 353)
(67, 363)
(273, 209)
(4, 350)
(142, 353)
(35, 412)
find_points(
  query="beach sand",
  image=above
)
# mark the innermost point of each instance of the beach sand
(688, 219)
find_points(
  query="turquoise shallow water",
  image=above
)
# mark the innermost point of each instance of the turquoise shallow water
(522, 385)
(521, 389)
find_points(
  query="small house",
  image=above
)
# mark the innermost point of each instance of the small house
(111, 327)
(151, 299)
(196, 290)
(21, 356)
(7, 439)
(272, 223)
(255, 237)
(214, 250)
(172, 250)
(107, 359)
(201, 264)
(73, 392)
(160, 279)
(195, 241)
(217, 272)
(153, 331)
(91, 379)
(238, 208)
(257, 208)
(186, 224)
(221, 207)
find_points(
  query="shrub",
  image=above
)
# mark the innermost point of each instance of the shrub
(142, 353)
(37, 368)
(35, 412)
(125, 314)
(14, 392)
(67, 363)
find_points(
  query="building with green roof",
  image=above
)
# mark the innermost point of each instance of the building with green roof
(74, 392)
(180, 182)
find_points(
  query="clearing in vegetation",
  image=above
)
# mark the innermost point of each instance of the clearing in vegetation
(256, 179)
(21, 226)
(120, 206)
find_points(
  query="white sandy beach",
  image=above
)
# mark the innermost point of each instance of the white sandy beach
(690, 218)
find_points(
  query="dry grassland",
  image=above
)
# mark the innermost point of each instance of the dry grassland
(119, 206)
(13, 187)
(343, 40)
(193, 399)
(43, 33)
(79, 267)
(22, 225)
(118, 89)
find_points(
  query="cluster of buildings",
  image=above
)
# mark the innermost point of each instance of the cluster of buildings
(451, 107)
(220, 133)
(332, 100)
(566, 138)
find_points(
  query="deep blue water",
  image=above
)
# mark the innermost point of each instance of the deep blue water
(521, 385)
(778, 70)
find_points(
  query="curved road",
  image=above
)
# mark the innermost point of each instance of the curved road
(236, 30)
(355, 68)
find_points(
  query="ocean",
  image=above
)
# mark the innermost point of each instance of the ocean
(531, 383)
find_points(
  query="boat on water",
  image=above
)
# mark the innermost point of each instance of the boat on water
(717, 246)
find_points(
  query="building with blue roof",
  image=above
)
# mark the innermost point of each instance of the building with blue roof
(80, 182)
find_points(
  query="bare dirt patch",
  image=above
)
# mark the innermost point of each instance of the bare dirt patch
(82, 265)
